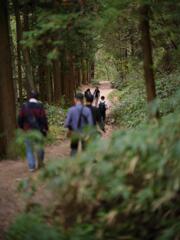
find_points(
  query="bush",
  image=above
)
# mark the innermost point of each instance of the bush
(126, 187)
(128, 184)
(18, 145)
(56, 118)
(56, 115)
(31, 227)
(130, 107)
(55, 133)
(118, 82)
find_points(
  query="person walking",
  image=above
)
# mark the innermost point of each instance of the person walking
(96, 95)
(102, 111)
(94, 110)
(32, 116)
(78, 117)
(87, 93)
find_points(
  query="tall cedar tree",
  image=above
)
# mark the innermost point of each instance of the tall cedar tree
(147, 52)
(7, 98)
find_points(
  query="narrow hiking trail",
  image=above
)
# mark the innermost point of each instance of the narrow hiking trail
(13, 171)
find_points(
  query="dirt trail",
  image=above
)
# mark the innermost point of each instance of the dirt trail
(12, 172)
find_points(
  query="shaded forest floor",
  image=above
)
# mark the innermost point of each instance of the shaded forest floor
(13, 171)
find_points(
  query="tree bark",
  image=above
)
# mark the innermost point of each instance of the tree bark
(57, 81)
(43, 91)
(7, 97)
(18, 39)
(68, 78)
(49, 86)
(88, 72)
(84, 72)
(147, 52)
(93, 70)
(26, 55)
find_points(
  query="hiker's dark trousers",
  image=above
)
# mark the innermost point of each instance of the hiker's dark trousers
(102, 121)
(75, 144)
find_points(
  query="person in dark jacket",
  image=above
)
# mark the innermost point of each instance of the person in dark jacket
(94, 110)
(96, 95)
(87, 93)
(32, 116)
(102, 111)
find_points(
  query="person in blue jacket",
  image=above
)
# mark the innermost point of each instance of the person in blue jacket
(78, 117)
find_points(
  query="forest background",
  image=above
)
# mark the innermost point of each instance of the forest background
(55, 47)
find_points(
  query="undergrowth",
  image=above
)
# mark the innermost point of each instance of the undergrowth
(126, 187)
(56, 116)
(129, 100)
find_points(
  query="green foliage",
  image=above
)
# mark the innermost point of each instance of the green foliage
(21, 137)
(130, 177)
(118, 82)
(31, 227)
(128, 184)
(130, 108)
(56, 117)
(104, 66)
(120, 35)
(55, 133)
(124, 187)
(28, 188)
(81, 232)
(64, 29)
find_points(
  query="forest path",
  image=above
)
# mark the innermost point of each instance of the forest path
(13, 171)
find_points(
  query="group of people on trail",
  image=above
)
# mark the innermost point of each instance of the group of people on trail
(81, 115)
(88, 113)
(96, 95)
(98, 103)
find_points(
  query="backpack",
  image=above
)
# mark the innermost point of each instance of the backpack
(102, 107)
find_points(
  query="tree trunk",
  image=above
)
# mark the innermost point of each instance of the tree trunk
(49, 85)
(18, 39)
(57, 81)
(68, 78)
(79, 77)
(147, 51)
(76, 76)
(43, 91)
(26, 55)
(7, 99)
(84, 73)
(88, 72)
(93, 70)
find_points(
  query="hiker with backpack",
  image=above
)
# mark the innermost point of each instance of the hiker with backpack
(32, 116)
(96, 95)
(78, 117)
(102, 112)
